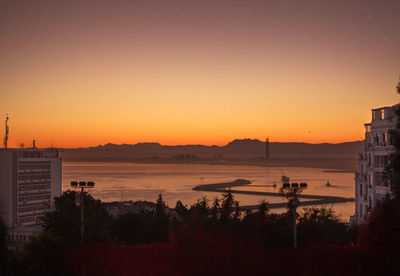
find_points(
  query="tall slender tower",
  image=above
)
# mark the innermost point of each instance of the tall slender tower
(267, 148)
(6, 133)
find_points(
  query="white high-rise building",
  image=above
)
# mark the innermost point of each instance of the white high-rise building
(29, 181)
(371, 185)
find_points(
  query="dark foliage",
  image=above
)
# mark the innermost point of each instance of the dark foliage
(140, 228)
(115, 259)
(319, 226)
(64, 222)
(210, 239)
(267, 230)
(181, 209)
(44, 255)
(211, 254)
(161, 220)
(380, 237)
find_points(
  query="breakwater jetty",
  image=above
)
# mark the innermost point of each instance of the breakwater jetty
(314, 199)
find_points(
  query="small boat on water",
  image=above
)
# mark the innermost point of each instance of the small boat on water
(328, 184)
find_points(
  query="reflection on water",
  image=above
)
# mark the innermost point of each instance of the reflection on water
(128, 181)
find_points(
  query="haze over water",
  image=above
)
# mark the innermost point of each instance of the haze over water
(131, 181)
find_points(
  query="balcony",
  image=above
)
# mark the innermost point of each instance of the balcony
(382, 190)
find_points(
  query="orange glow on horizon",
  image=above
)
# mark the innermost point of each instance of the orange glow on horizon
(85, 74)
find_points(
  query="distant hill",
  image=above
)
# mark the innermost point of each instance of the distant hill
(277, 149)
(237, 150)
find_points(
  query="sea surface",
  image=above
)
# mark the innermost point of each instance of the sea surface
(132, 181)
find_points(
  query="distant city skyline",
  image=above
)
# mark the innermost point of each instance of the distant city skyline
(79, 74)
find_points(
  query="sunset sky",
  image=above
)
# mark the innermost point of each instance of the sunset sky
(84, 73)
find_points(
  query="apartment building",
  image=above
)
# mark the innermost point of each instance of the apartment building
(29, 181)
(371, 184)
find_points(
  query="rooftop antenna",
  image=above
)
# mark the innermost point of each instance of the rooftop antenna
(34, 144)
(6, 133)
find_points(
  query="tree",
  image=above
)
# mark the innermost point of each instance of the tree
(181, 209)
(263, 208)
(199, 211)
(161, 208)
(64, 221)
(320, 225)
(162, 219)
(215, 208)
(237, 212)
(47, 253)
(227, 205)
(379, 238)
(136, 228)
(44, 254)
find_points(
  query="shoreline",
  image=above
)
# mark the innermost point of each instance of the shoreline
(324, 169)
(221, 188)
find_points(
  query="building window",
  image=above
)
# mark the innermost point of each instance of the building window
(34, 166)
(33, 197)
(380, 161)
(361, 191)
(376, 139)
(377, 115)
(379, 179)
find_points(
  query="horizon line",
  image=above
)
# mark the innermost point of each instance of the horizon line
(209, 145)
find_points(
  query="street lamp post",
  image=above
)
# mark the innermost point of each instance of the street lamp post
(292, 191)
(82, 185)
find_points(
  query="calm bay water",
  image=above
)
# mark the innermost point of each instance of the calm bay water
(129, 181)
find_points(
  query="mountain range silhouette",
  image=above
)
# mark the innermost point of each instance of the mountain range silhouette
(239, 149)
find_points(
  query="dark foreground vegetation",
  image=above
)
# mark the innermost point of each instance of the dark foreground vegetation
(208, 238)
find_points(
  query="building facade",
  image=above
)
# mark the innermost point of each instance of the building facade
(370, 183)
(29, 181)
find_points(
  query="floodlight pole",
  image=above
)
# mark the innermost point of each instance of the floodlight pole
(294, 203)
(292, 192)
(82, 216)
(82, 185)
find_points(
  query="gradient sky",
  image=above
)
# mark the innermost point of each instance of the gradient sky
(83, 73)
